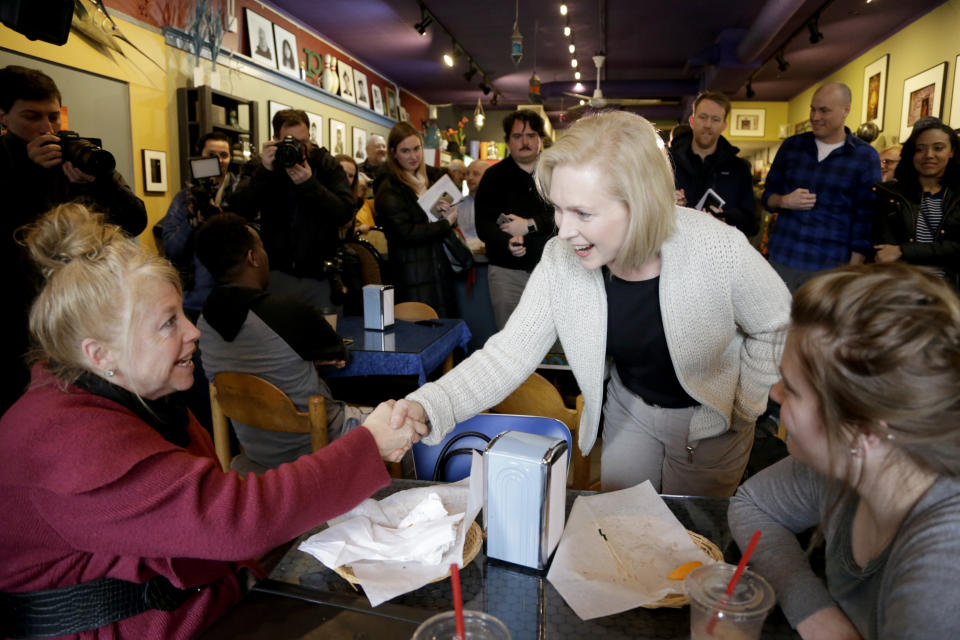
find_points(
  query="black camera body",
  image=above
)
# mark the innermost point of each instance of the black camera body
(290, 152)
(86, 154)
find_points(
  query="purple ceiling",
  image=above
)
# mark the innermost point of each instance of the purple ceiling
(654, 49)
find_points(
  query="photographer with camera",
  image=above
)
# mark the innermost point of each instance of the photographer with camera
(202, 198)
(302, 198)
(41, 167)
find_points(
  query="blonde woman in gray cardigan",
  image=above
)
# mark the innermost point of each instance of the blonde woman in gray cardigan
(675, 306)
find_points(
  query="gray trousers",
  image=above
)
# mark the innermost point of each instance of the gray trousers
(793, 277)
(506, 287)
(644, 442)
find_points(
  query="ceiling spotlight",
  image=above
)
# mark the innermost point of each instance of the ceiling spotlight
(750, 91)
(448, 59)
(578, 87)
(425, 21)
(782, 64)
(563, 8)
(573, 63)
(567, 30)
(484, 87)
(583, 102)
(572, 48)
(576, 75)
(469, 73)
(814, 27)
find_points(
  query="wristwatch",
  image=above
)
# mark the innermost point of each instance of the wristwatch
(531, 226)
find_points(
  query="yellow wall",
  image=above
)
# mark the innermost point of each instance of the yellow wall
(148, 95)
(927, 42)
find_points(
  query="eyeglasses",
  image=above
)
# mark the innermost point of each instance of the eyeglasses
(885, 162)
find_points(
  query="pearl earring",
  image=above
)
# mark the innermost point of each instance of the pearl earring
(111, 372)
(856, 452)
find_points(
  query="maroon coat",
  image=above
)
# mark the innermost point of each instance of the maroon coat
(88, 490)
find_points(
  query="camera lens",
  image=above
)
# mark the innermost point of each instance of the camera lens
(86, 156)
(290, 151)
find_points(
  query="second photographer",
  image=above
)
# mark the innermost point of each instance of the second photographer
(204, 197)
(301, 197)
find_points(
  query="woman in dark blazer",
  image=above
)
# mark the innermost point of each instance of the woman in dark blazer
(917, 217)
(419, 267)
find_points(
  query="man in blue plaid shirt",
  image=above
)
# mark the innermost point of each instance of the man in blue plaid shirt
(821, 186)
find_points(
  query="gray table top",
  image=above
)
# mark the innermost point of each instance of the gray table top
(525, 601)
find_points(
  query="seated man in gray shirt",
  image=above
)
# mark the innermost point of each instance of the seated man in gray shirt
(280, 339)
(870, 398)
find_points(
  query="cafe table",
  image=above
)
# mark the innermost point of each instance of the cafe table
(406, 349)
(303, 599)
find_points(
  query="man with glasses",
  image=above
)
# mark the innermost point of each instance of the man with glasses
(703, 159)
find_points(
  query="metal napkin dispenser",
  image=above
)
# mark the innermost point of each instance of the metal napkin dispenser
(524, 497)
(377, 307)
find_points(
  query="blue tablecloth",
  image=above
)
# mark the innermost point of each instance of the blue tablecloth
(408, 349)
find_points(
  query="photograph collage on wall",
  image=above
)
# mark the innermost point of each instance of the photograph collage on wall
(338, 137)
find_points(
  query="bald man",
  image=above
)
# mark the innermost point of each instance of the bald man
(821, 186)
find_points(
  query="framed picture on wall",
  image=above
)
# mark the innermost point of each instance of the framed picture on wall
(377, 98)
(338, 137)
(286, 51)
(392, 104)
(272, 108)
(875, 91)
(362, 91)
(922, 96)
(260, 39)
(955, 106)
(747, 122)
(154, 171)
(347, 89)
(316, 128)
(359, 144)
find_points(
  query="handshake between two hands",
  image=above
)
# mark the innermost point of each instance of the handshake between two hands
(396, 425)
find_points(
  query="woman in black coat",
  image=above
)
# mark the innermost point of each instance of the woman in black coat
(917, 217)
(420, 269)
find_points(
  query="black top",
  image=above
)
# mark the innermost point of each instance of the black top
(638, 345)
(506, 188)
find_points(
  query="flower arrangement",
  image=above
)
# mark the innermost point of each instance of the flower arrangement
(458, 135)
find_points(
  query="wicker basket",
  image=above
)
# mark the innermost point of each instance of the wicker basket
(471, 547)
(677, 600)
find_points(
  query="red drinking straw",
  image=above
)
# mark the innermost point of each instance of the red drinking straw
(733, 581)
(457, 599)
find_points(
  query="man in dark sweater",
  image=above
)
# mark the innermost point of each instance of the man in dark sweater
(278, 338)
(703, 159)
(35, 177)
(511, 218)
(300, 209)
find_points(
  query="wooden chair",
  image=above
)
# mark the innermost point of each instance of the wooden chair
(371, 264)
(378, 239)
(414, 311)
(258, 403)
(537, 397)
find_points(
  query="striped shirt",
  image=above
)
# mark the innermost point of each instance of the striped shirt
(931, 214)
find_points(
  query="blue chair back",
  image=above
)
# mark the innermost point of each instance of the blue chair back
(457, 467)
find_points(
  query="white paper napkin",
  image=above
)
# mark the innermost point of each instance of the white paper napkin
(404, 541)
(644, 542)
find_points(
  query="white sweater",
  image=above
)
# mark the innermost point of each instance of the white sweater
(724, 313)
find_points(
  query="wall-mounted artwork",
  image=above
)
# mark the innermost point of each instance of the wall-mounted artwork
(260, 39)
(345, 72)
(875, 91)
(922, 96)
(377, 99)
(272, 108)
(286, 51)
(316, 129)
(338, 137)
(359, 144)
(955, 107)
(747, 122)
(362, 91)
(392, 104)
(154, 171)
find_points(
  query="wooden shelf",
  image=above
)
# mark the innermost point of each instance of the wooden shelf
(195, 108)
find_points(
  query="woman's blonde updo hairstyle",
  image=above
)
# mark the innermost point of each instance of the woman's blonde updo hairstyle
(880, 345)
(93, 273)
(624, 148)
